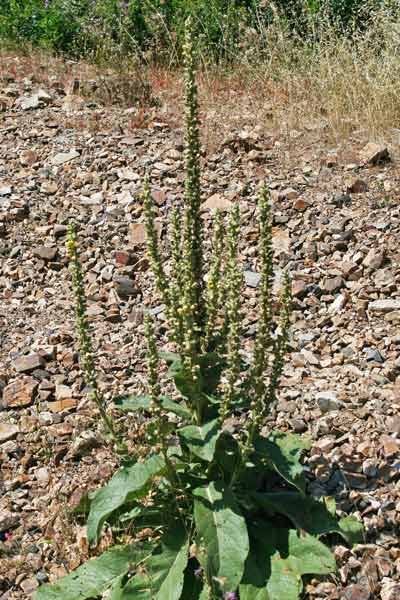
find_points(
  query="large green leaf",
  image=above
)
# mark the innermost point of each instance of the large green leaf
(226, 457)
(162, 575)
(304, 554)
(253, 585)
(211, 367)
(95, 576)
(284, 451)
(117, 589)
(283, 583)
(222, 532)
(351, 529)
(201, 440)
(190, 389)
(128, 483)
(193, 586)
(277, 560)
(310, 515)
(133, 403)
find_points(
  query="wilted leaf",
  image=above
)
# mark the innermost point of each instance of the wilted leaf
(222, 531)
(128, 483)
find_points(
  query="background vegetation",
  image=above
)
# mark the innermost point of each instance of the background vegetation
(154, 28)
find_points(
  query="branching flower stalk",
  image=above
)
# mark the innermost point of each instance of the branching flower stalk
(267, 352)
(233, 314)
(85, 343)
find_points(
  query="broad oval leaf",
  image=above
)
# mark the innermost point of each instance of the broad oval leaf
(95, 576)
(253, 585)
(201, 440)
(305, 555)
(162, 575)
(132, 403)
(116, 589)
(277, 560)
(309, 514)
(283, 584)
(128, 483)
(222, 531)
(284, 451)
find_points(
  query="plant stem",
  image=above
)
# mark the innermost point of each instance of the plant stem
(85, 342)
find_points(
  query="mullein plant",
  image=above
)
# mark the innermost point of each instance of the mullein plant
(214, 514)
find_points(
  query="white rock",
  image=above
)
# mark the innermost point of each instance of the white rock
(7, 431)
(63, 391)
(384, 306)
(64, 157)
(327, 401)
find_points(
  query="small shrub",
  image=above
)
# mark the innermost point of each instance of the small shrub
(215, 514)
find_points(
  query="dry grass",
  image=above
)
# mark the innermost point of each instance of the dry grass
(341, 86)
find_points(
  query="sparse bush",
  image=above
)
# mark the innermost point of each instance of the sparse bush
(214, 513)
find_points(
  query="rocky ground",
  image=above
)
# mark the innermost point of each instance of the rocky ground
(337, 227)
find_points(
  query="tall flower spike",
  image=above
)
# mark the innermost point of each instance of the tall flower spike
(214, 281)
(193, 229)
(152, 243)
(175, 285)
(263, 337)
(190, 329)
(281, 342)
(152, 366)
(234, 318)
(85, 342)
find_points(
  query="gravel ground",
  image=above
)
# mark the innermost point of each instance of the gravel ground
(336, 226)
